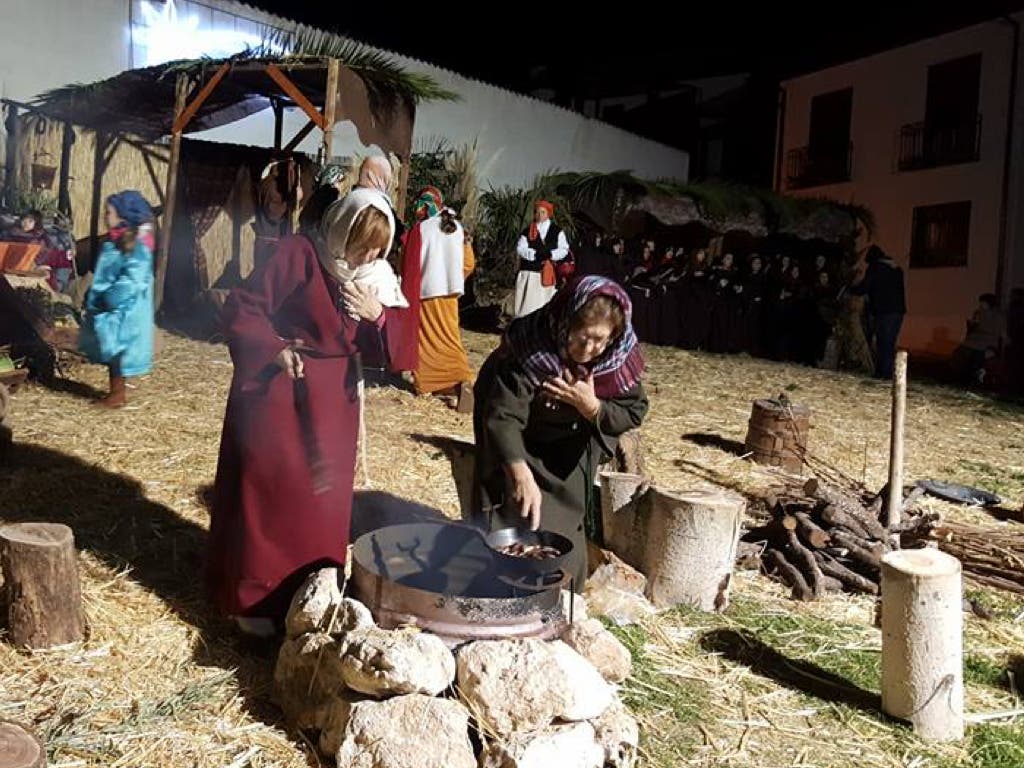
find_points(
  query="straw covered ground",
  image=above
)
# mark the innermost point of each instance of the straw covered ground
(161, 681)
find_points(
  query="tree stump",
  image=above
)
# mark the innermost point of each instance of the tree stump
(777, 434)
(19, 748)
(622, 516)
(40, 577)
(691, 547)
(922, 642)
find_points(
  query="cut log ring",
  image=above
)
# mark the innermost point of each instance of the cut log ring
(691, 547)
(922, 642)
(19, 748)
(623, 516)
(40, 577)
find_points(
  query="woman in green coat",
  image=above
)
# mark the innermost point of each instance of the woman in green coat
(551, 402)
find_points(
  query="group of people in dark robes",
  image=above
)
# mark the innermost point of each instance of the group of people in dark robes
(778, 307)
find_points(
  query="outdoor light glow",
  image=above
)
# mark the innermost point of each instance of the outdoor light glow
(165, 35)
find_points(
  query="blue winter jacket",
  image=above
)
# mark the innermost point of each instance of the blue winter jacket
(119, 310)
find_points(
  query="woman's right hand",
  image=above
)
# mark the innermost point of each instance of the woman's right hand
(526, 492)
(290, 361)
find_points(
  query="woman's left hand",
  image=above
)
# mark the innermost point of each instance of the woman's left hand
(578, 393)
(361, 301)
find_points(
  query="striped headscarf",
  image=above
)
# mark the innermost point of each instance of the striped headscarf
(538, 341)
(429, 202)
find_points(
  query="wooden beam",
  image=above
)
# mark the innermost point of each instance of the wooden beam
(64, 185)
(11, 161)
(403, 187)
(896, 431)
(303, 133)
(295, 95)
(182, 119)
(330, 110)
(180, 97)
(278, 123)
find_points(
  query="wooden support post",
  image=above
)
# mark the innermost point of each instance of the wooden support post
(691, 547)
(64, 185)
(922, 642)
(403, 185)
(899, 411)
(183, 116)
(330, 111)
(40, 577)
(19, 747)
(278, 124)
(11, 160)
(180, 97)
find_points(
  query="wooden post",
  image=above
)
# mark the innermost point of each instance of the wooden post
(19, 747)
(691, 547)
(330, 111)
(11, 161)
(623, 522)
(180, 97)
(40, 577)
(64, 186)
(922, 642)
(278, 124)
(899, 411)
(403, 185)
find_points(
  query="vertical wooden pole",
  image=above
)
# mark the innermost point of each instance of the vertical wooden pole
(11, 161)
(403, 186)
(330, 110)
(180, 96)
(899, 410)
(64, 186)
(278, 124)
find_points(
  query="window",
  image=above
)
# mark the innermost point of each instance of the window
(940, 236)
(827, 157)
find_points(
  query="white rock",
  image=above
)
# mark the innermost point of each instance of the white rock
(619, 736)
(406, 731)
(560, 746)
(381, 662)
(512, 685)
(579, 606)
(299, 659)
(337, 712)
(587, 694)
(601, 648)
(612, 592)
(319, 600)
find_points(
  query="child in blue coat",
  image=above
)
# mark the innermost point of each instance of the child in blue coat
(118, 326)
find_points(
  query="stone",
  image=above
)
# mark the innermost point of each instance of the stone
(413, 730)
(564, 746)
(601, 648)
(618, 734)
(512, 685)
(586, 694)
(318, 600)
(615, 591)
(381, 662)
(299, 659)
(578, 603)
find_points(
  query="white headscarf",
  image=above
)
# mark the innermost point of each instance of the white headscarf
(334, 231)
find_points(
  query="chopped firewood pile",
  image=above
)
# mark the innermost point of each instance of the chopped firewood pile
(990, 556)
(829, 536)
(826, 537)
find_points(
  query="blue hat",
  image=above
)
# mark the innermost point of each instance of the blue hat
(132, 207)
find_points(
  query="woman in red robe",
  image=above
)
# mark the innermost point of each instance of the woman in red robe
(283, 495)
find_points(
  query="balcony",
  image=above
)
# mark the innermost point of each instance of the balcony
(818, 166)
(927, 145)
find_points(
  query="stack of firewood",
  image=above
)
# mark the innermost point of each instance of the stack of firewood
(823, 537)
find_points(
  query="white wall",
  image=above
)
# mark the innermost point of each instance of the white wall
(518, 137)
(889, 91)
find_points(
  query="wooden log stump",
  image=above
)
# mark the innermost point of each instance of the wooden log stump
(922, 642)
(691, 547)
(19, 747)
(40, 577)
(629, 454)
(623, 517)
(777, 434)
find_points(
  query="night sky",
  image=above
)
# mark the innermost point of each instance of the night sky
(585, 50)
